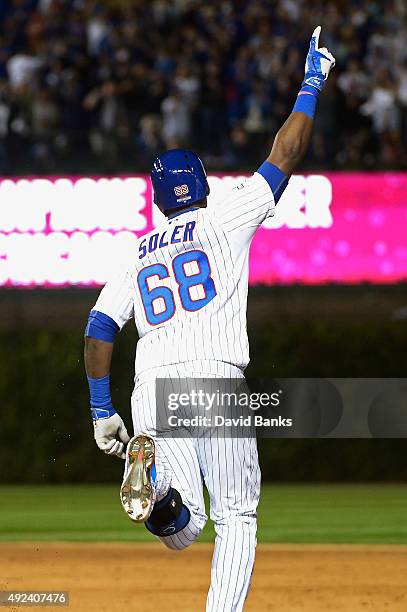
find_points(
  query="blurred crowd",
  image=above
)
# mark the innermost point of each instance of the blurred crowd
(102, 86)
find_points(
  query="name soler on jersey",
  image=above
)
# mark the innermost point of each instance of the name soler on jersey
(251, 420)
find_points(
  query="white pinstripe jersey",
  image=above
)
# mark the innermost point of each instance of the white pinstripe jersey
(186, 286)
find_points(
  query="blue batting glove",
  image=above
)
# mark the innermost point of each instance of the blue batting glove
(318, 64)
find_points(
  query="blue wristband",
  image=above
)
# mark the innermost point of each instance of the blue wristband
(306, 101)
(100, 400)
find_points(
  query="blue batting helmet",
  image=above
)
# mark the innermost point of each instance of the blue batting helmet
(178, 179)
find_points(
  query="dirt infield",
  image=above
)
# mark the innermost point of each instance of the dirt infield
(115, 577)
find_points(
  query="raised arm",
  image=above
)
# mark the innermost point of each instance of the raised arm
(292, 140)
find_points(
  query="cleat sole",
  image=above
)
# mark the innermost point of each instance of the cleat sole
(137, 494)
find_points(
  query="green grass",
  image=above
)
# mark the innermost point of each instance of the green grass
(358, 514)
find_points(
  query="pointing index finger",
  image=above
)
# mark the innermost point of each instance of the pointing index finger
(315, 37)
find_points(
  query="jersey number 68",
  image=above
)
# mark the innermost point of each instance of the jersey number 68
(185, 282)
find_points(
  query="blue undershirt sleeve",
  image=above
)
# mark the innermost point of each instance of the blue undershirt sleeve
(101, 327)
(277, 180)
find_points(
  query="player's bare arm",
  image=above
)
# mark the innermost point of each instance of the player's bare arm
(98, 357)
(292, 140)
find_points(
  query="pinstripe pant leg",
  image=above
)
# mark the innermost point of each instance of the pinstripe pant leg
(232, 476)
(187, 479)
(176, 457)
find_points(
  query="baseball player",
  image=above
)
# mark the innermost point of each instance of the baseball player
(186, 288)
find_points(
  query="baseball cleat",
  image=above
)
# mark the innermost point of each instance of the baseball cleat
(137, 493)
